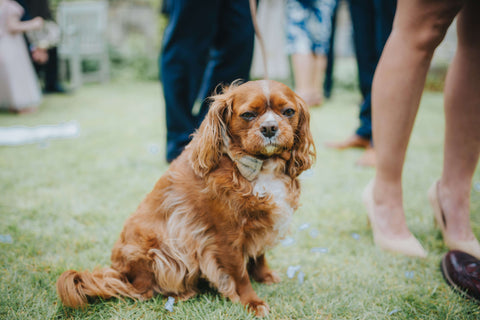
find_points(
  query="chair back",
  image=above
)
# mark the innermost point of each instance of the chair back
(83, 25)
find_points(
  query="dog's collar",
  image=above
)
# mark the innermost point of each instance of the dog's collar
(248, 166)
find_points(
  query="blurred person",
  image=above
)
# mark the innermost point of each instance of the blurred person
(372, 23)
(45, 58)
(419, 27)
(309, 25)
(206, 43)
(329, 81)
(19, 88)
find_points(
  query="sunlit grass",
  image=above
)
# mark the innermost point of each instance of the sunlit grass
(64, 203)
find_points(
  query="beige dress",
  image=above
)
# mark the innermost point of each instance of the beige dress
(19, 88)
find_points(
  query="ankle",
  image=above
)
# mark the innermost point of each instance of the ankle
(387, 194)
(455, 205)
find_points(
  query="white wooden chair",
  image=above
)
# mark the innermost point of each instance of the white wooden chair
(83, 25)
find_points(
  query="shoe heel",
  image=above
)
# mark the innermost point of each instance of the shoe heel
(471, 247)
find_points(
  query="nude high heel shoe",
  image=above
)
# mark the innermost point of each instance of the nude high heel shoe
(471, 247)
(408, 246)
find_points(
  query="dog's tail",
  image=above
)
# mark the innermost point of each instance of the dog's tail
(74, 287)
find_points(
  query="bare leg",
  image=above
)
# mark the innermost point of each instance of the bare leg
(462, 135)
(305, 69)
(419, 27)
(303, 65)
(319, 75)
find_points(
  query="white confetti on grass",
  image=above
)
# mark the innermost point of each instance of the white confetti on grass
(292, 270)
(319, 250)
(303, 226)
(6, 238)
(288, 241)
(355, 236)
(314, 233)
(307, 174)
(169, 304)
(393, 312)
(301, 277)
(476, 186)
(20, 135)
(153, 148)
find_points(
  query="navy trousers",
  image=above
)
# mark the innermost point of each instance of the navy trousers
(206, 43)
(372, 23)
(328, 81)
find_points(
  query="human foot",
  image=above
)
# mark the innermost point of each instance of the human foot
(355, 141)
(390, 234)
(368, 158)
(457, 233)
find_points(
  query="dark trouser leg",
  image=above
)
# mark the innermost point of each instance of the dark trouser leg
(372, 23)
(231, 55)
(185, 53)
(51, 71)
(328, 82)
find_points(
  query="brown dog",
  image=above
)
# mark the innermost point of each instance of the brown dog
(227, 199)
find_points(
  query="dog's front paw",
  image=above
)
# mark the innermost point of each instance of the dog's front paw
(260, 308)
(269, 277)
(272, 277)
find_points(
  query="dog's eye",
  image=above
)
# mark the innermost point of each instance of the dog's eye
(288, 112)
(248, 115)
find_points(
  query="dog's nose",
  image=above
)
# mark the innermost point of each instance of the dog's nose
(269, 129)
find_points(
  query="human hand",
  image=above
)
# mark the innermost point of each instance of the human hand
(40, 55)
(37, 23)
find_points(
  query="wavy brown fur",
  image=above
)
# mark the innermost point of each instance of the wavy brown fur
(74, 287)
(203, 219)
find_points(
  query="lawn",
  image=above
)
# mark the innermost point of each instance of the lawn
(63, 202)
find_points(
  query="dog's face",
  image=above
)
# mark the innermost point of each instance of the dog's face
(264, 118)
(260, 119)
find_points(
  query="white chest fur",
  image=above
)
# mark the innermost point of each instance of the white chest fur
(270, 183)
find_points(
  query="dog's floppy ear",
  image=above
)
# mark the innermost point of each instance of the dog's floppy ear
(303, 154)
(209, 140)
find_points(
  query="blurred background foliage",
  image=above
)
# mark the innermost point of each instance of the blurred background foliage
(135, 29)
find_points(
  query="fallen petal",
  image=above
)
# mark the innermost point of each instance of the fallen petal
(169, 304)
(292, 270)
(319, 250)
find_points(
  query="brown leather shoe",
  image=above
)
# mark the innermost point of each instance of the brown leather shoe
(354, 141)
(462, 272)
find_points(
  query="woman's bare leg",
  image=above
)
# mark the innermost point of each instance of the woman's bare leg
(418, 29)
(303, 64)
(308, 71)
(319, 75)
(462, 134)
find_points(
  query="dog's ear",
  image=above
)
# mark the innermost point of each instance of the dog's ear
(209, 141)
(303, 154)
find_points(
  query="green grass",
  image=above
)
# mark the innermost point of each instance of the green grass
(64, 203)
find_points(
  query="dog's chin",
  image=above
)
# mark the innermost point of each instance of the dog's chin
(270, 150)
